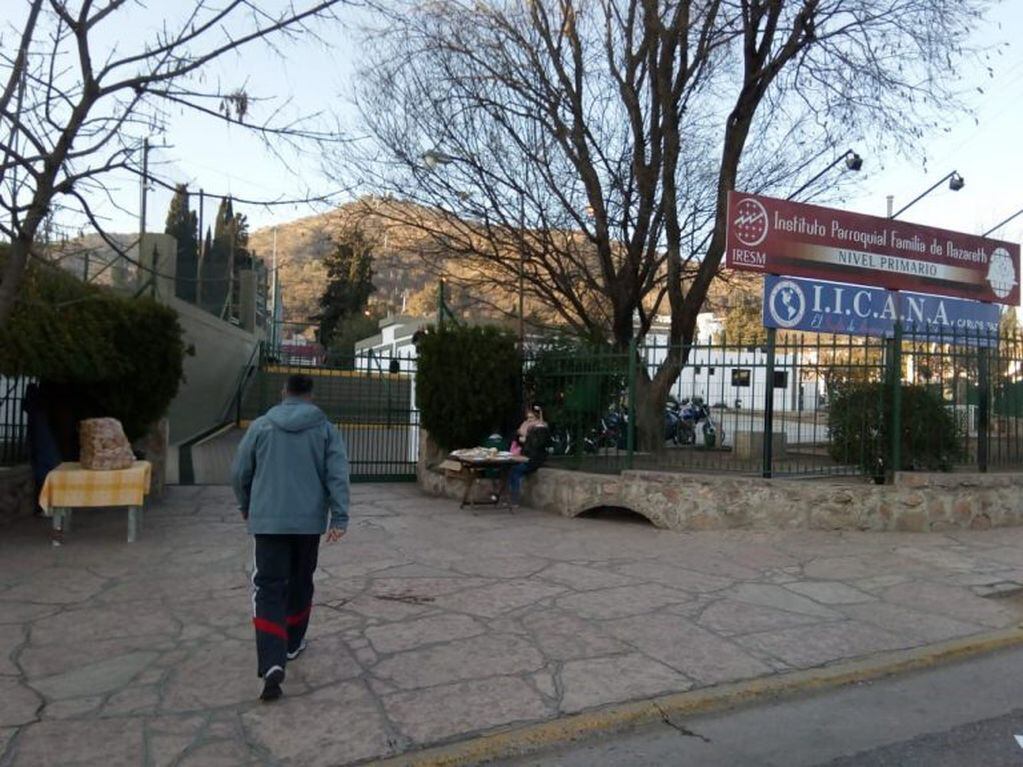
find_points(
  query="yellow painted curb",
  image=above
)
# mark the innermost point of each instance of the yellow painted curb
(244, 424)
(530, 738)
(319, 372)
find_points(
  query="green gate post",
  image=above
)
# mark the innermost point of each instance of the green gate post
(768, 447)
(440, 306)
(895, 382)
(630, 430)
(983, 406)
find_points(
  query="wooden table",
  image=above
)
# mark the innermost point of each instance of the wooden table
(69, 486)
(474, 467)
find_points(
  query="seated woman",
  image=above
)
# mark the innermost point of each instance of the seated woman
(531, 438)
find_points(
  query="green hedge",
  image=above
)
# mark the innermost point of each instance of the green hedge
(859, 423)
(466, 383)
(122, 356)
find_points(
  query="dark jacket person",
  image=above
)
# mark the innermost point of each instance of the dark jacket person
(290, 477)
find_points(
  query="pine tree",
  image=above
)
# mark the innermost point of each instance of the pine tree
(183, 224)
(349, 283)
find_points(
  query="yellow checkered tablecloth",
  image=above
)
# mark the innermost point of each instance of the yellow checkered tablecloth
(69, 486)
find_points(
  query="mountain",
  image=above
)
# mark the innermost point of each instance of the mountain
(407, 265)
(404, 282)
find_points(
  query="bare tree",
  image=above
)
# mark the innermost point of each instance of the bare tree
(588, 147)
(77, 99)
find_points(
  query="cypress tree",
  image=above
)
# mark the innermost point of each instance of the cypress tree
(216, 264)
(183, 224)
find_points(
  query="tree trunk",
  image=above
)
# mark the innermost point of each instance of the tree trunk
(649, 416)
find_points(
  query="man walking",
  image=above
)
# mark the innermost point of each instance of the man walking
(290, 477)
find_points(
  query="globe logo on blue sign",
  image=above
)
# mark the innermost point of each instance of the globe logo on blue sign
(787, 304)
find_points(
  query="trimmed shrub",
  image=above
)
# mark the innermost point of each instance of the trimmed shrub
(466, 383)
(118, 356)
(859, 423)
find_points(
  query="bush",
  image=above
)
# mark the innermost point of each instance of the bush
(466, 383)
(859, 422)
(118, 356)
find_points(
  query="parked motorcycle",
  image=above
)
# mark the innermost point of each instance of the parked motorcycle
(610, 432)
(693, 414)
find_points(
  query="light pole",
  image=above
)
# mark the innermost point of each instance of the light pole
(955, 183)
(999, 225)
(433, 159)
(852, 162)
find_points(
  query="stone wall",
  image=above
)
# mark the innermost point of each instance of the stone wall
(17, 493)
(916, 502)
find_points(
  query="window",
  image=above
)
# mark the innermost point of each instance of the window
(697, 369)
(710, 371)
(740, 376)
(781, 379)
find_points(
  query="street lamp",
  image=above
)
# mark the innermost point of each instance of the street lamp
(433, 159)
(955, 183)
(852, 162)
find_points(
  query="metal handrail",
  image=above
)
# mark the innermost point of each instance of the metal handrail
(243, 377)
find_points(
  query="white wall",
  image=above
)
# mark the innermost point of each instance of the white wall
(708, 374)
(211, 376)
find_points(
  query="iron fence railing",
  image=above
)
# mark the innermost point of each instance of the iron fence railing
(793, 404)
(13, 420)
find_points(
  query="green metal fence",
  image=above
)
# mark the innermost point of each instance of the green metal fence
(794, 404)
(371, 399)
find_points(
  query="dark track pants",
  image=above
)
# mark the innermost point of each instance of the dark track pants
(282, 596)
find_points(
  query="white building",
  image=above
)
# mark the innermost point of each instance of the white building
(391, 350)
(733, 376)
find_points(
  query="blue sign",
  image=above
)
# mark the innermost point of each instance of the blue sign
(791, 303)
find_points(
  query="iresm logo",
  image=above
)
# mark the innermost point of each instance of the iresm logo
(787, 304)
(750, 225)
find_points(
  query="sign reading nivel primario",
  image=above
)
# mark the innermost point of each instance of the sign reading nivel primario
(781, 237)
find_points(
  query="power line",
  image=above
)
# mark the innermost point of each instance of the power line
(242, 200)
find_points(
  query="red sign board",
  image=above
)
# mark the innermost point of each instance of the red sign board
(791, 238)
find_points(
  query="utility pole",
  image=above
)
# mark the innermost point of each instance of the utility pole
(143, 194)
(522, 300)
(201, 256)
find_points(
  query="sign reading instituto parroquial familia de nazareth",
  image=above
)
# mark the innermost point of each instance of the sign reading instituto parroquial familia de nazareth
(774, 236)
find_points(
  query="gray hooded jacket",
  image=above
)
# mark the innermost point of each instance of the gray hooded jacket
(290, 474)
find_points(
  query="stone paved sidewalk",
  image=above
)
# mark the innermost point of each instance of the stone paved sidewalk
(431, 624)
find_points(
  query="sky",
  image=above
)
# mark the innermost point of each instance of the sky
(983, 147)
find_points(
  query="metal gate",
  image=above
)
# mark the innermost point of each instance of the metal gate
(372, 401)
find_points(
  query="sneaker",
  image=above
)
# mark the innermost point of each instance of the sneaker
(272, 684)
(292, 654)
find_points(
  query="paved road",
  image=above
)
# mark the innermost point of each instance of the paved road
(960, 715)
(432, 624)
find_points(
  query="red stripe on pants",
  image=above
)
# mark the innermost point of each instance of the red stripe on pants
(262, 624)
(294, 620)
